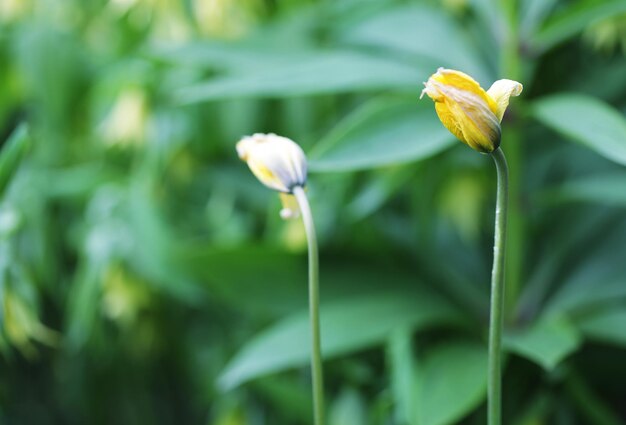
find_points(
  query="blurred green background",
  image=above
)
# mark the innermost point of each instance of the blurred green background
(146, 277)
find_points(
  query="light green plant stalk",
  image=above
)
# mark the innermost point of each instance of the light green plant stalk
(280, 164)
(494, 392)
(474, 115)
(314, 309)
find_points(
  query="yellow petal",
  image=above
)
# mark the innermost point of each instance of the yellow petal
(463, 82)
(449, 120)
(467, 110)
(501, 91)
(479, 127)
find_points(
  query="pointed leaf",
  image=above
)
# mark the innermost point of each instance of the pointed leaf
(426, 32)
(381, 133)
(606, 326)
(12, 154)
(453, 383)
(403, 375)
(601, 189)
(586, 120)
(286, 344)
(312, 73)
(546, 342)
(573, 20)
(348, 409)
(597, 281)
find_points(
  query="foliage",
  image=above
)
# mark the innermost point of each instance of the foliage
(147, 278)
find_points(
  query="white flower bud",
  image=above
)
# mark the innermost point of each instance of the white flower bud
(278, 162)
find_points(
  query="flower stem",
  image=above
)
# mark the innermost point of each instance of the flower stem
(314, 309)
(497, 293)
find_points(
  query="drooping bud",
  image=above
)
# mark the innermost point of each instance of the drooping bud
(279, 163)
(469, 112)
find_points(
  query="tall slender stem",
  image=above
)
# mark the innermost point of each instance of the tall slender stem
(494, 395)
(314, 309)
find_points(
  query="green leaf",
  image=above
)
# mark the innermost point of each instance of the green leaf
(286, 344)
(591, 407)
(11, 155)
(533, 13)
(570, 238)
(403, 375)
(287, 396)
(573, 20)
(606, 325)
(382, 186)
(599, 280)
(273, 280)
(448, 384)
(156, 259)
(348, 409)
(453, 382)
(412, 29)
(83, 307)
(586, 120)
(228, 56)
(546, 342)
(601, 189)
(384, 132)
(309, 74)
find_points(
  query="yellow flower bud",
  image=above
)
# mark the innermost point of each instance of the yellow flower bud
(472, 114)
(279, 163)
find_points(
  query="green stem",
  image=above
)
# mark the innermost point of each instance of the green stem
(497, 293)
(314, 307)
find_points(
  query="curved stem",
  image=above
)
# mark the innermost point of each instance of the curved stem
(314, 314)
(497, 293)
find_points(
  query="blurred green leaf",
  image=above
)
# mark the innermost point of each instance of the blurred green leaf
(546, 342)
(379, 190)
(403, 373)
(52, 63)
(155, 259)
(384, 132)
(453, 382)
(533, 13)
(597, 280)
(404, 378)
(590, 288)
(273, 280)
(573, 20)
(289, 397)
(83, 307)
(348, 409)
(587, 121)
(286, 344)
(11, 155)
(536, 412)
(566, 241)
(426, 32)
(313, 73)
(603, 77)
(602, 189)
(589, 404)
(606, 325)
(228, 56)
